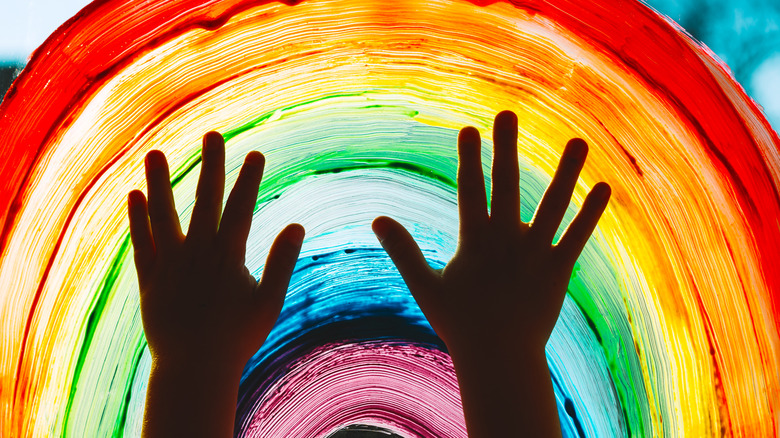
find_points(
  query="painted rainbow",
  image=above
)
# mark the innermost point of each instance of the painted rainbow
(672, 322)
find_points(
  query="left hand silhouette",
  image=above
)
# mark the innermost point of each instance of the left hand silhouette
(198, 299)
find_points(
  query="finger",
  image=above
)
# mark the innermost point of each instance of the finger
(166, 229)
(472, 201)
(211, 183)
(240, 206)
(579, 231)
(406, 256)
(140, 233)
(505, 196)
(556, 199)
(279, 267)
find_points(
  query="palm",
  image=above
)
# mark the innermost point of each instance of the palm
(191, 317)
(495, 291)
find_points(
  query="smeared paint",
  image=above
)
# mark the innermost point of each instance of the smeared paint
(671, 322)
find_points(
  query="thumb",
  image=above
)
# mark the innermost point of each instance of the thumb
(278, 269)
(406, 256)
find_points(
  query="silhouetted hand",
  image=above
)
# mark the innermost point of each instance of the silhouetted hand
(505, 286)
(202, 310)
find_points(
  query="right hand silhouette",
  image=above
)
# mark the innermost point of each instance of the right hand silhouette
(506, 279)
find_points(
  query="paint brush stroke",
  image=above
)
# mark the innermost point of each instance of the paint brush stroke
(673, 306)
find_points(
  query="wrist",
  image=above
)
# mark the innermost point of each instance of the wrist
(505, 389)
(496, 350)
(191, 398)
(197, 367)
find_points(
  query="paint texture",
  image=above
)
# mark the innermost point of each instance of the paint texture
(671, 324)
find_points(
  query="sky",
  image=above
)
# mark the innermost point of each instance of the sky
(25, 24)
(743, 33)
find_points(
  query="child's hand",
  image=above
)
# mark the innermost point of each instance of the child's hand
(198, 299)
(495, 303)
(506, 276)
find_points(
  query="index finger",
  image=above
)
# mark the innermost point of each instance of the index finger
(472, 200)
(556, 198)
(164, 219)
(237, 218)
(581, 228)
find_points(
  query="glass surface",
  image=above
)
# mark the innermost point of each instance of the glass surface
(671, 323)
